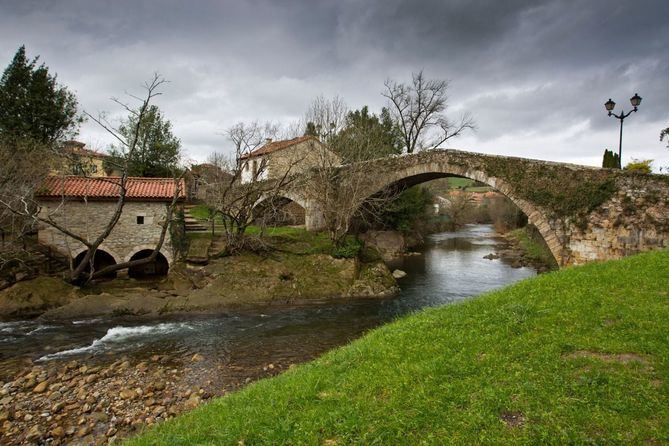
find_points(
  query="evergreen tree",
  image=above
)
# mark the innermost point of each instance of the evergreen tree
(158, 151)
(365, 136)
(311, 130)
(33, 105)
(608, 157)
(611, 160)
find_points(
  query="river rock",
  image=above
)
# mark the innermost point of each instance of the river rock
(398, 274)
(107, 304)
(57, 432)
(34, 433)
(374, 280)
(192, 402)
(389, 244)
(33, 297)
(127, 394)
(41, 387)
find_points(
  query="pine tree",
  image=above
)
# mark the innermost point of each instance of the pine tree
(33, 105)
(158, 151)
(611, 160)
(608, 158)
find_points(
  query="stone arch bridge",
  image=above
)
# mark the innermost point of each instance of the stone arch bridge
(583, 213)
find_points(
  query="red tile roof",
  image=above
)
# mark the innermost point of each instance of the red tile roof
(101, 188)
(277, 145)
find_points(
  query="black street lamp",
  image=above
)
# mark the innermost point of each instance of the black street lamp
(610, 105)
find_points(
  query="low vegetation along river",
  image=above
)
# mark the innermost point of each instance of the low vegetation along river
(173, 364)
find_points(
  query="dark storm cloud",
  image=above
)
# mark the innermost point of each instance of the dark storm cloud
(534, 74)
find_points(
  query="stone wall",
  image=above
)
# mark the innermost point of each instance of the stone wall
(300, 158)
(635, 219)
(89, 219)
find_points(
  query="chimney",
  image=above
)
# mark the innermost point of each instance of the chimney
(268, 140)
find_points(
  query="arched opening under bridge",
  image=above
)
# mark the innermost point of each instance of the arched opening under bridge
(101, 259)
(486, 201)
(158, 267)
(279, 211)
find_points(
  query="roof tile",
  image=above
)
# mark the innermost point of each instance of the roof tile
(108, 187)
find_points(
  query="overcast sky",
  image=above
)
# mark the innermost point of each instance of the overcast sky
(534, 74)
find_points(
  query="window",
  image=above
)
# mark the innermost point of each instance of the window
(140, 219)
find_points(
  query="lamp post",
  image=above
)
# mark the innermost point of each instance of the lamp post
(610, 105)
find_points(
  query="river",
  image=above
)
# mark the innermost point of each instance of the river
(450, 268)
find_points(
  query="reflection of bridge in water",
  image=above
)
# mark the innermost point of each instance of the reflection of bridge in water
(583, 213)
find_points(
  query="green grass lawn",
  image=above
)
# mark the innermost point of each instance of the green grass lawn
(578, 356)
(467, 184)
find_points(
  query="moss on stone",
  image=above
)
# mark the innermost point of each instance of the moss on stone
(562, 190)
(33, 297)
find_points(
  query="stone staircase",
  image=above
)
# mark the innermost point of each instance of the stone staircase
(191, 223)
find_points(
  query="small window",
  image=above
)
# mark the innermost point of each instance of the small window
(140, 219)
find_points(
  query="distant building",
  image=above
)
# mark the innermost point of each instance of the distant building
(78, 160)
(274, 158)
(202, 177)
(85, 206)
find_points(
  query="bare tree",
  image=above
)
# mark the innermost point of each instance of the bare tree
(460, 206)
(418, 110)
(327, 116)
(234, 198)
(342, 193)
(22, 202)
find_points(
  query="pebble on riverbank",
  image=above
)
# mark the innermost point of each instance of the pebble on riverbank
(75, 403)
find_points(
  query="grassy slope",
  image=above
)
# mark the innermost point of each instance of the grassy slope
(541, 350)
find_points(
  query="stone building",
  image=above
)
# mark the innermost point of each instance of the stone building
(78, 160)
(201, 177)
(273, 159)
(84, 206)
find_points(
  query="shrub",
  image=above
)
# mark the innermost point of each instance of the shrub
(349, 248)
(408, 207)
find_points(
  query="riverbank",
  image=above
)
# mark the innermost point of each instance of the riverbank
(576, 356)
(82, 403)
(291, 272)
(523, 247)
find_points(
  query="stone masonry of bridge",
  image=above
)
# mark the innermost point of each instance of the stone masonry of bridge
(583, 213)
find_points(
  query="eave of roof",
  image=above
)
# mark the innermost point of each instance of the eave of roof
(275, 146)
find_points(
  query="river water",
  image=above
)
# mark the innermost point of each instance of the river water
(450, 268)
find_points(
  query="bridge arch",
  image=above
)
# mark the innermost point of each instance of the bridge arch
(421, 173)
(284, 208)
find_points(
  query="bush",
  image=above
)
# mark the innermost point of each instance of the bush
(349, 249)
(407, 208)
(643, 166)
(504, 214)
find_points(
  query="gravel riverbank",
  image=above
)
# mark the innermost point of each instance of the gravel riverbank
(84, 403)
